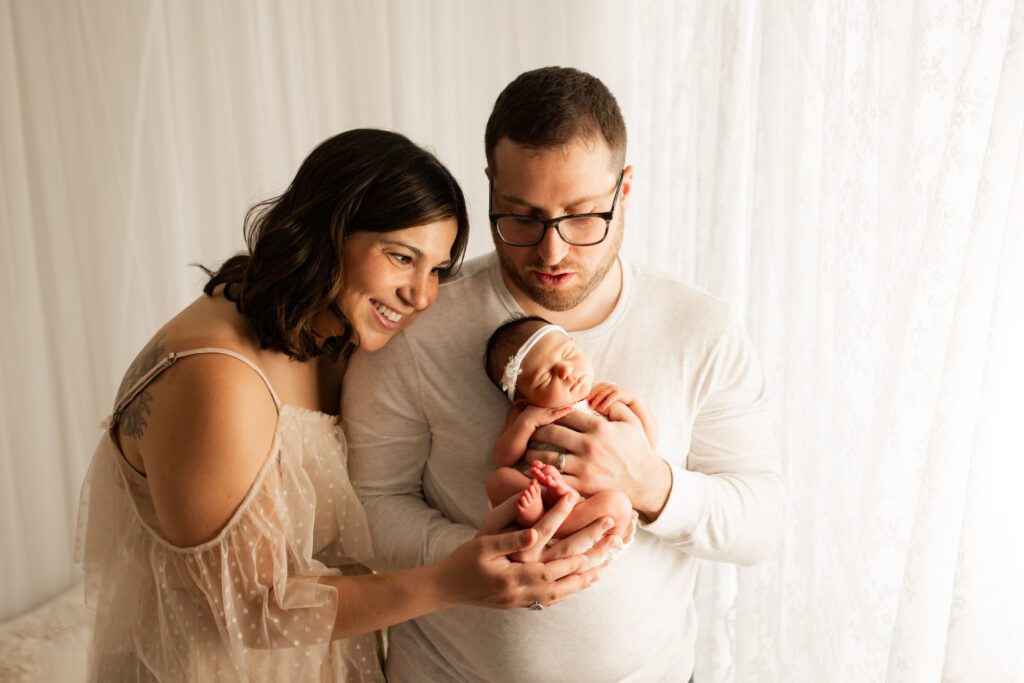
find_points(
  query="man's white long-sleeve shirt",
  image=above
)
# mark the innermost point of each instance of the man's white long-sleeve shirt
(421, 418)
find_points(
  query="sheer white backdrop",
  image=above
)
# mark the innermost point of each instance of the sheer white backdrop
(850, 175)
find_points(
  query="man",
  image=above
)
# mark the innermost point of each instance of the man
(421, 415)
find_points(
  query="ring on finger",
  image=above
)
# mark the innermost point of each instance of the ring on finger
(560, 462)
(535, 606)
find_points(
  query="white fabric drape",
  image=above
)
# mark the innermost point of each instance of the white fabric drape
(848, 174)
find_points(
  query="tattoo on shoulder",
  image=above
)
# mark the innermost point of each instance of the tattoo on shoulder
(133, 416)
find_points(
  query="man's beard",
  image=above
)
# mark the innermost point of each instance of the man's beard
(560, 299)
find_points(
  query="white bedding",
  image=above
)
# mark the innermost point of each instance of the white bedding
(50, 643)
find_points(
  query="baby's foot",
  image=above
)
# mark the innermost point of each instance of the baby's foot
(529, 507)
(553, 481)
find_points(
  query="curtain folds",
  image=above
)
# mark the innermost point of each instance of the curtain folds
(848, 175)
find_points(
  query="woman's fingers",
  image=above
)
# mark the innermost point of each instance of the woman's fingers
(559, 569)
(500, 516)
(602, 552)
(551, 593)
(579, 543)
(546, 528)
(553, 518)
(631, 530)
(508, 543)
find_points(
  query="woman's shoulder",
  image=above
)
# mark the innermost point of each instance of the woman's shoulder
(210, 321)
(202, 424)
(206, 323)
(184, 379)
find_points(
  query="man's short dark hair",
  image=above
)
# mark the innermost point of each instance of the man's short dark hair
(551, 106)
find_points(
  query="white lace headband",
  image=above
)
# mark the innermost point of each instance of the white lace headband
(514, 366)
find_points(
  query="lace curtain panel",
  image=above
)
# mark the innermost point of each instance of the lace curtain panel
(848, 175)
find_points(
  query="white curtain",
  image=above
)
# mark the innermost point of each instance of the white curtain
(849, 175)
(852, 176)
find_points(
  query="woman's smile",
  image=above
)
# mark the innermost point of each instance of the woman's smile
(401, 267)
(389, 317)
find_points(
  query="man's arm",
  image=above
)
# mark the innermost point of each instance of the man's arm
(389, 442)
(729, 503)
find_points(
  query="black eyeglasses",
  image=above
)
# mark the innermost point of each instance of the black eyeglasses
(577, 229)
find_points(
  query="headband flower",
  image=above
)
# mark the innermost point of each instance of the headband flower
(514, 367)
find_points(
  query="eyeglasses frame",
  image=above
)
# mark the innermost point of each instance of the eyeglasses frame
(549, 223)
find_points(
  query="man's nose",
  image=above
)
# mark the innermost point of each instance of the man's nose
(552, 249)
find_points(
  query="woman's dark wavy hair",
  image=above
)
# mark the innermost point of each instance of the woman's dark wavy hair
(360, 180)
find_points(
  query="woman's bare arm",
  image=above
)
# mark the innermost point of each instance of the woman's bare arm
(209, 430)
(479, 572)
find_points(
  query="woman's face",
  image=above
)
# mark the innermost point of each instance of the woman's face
(389, 277)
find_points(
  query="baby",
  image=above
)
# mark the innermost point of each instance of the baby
(540, 369)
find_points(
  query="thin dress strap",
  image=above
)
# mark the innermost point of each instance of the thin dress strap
(173, 357)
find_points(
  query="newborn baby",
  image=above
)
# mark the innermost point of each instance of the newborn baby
(545, 375)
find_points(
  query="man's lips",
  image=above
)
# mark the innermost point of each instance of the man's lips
(552, 279)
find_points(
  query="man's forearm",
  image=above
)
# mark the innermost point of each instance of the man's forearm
(727, 517)
(652, 489)
(406, 532)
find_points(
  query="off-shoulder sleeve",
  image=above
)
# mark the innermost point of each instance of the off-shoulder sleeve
(246, 605)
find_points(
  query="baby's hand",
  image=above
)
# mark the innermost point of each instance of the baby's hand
(538, 416)
(603, 395)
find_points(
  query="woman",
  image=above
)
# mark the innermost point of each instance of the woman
(218, 502)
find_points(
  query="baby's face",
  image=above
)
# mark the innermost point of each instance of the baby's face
(555, 373)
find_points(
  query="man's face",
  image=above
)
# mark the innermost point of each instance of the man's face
(576, 178)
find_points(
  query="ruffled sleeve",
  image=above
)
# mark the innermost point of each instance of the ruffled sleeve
(246, 605)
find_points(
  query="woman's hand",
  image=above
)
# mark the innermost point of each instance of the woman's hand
(594, 541)
(485, 571)
(479, 572)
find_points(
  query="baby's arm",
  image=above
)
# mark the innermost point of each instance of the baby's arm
(522, 421)
(603, 395)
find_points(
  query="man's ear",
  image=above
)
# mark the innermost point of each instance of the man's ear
(627, 187)
(487, 172)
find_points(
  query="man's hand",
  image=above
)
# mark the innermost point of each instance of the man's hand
(608, 454)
